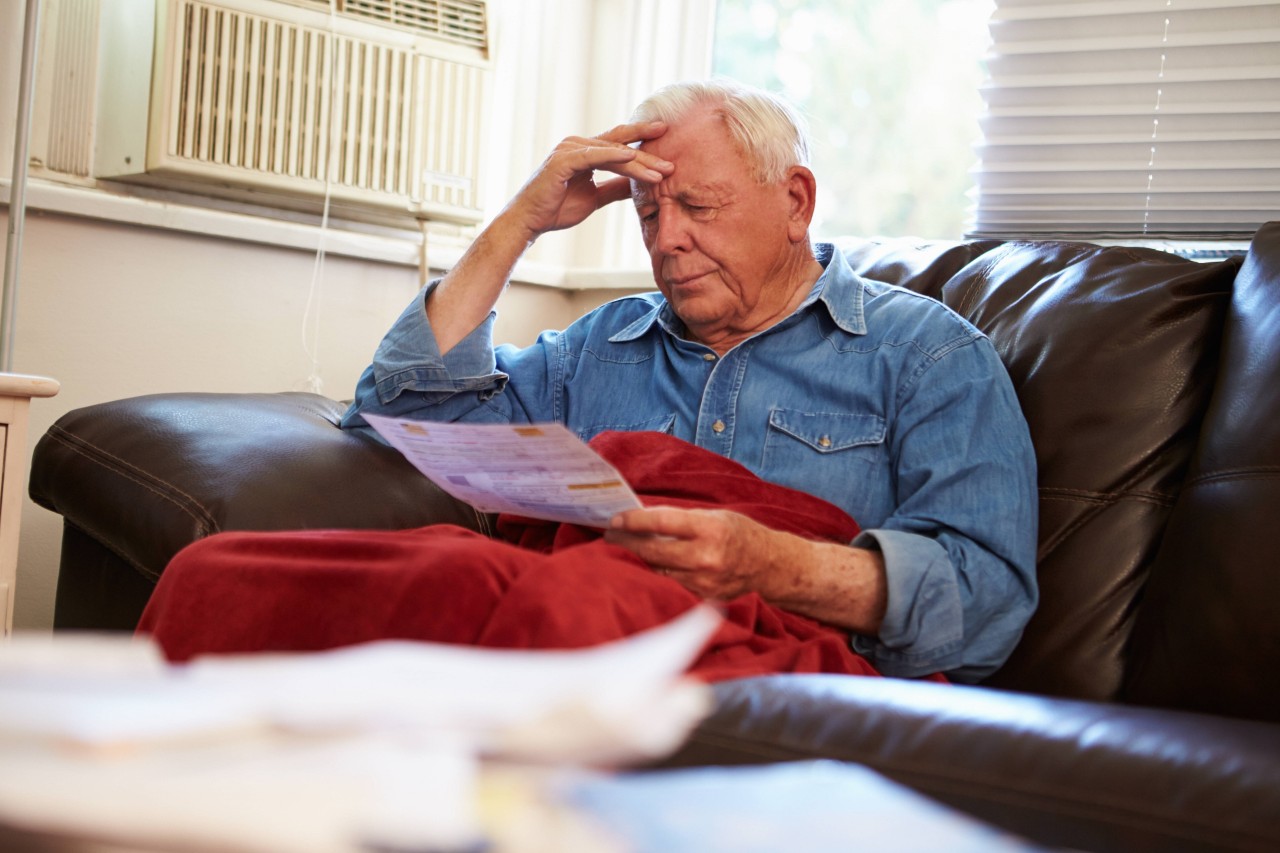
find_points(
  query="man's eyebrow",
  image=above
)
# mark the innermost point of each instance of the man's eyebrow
(702, 193)
(644, 193)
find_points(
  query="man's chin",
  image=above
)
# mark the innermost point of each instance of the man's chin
(696, 312)
(697, 300)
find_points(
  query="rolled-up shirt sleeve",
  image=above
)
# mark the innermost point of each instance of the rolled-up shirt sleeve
(408, 373)
(923, 628)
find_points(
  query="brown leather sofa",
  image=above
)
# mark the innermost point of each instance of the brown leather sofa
(1141, 711)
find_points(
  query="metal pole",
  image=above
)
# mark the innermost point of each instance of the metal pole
(18, 187)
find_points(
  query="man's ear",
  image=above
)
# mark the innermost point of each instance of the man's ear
(802, 194)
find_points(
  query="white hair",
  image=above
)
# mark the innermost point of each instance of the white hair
(771, 133)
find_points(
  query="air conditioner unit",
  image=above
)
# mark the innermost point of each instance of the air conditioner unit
(377, 103)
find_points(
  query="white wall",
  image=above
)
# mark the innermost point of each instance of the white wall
(112, 310)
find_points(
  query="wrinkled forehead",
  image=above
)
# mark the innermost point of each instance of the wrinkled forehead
(685, 188)
(708, 163)
(644, 193)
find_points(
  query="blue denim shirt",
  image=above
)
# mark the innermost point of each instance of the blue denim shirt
(880, 400)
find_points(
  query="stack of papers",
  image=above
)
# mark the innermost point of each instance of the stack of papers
(377, 746)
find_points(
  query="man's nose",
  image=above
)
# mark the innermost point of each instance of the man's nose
(672, 235)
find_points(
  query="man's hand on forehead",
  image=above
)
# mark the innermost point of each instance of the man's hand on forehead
(618, 151)
(564, 191)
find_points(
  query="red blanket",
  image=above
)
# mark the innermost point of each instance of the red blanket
(541, 585)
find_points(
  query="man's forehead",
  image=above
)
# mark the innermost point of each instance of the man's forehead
(700, 132)
(674, 186)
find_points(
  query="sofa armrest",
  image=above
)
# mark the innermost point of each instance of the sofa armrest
(1064, 773)
(146, 476)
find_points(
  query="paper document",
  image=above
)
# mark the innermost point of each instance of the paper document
(373, 747)
(539, 470)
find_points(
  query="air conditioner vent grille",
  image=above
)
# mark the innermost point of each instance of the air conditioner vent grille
(253, 93)
(291, 108)
(461, 22)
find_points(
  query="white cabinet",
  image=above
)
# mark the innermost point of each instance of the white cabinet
(16, 392)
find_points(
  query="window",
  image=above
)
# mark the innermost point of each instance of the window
(1132, 118)
(892, 92)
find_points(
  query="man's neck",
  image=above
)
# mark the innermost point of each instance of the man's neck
(799, 284)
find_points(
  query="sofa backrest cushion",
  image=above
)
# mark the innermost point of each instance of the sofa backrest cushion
(921, 265)
(1113, 352)
(1208, 634)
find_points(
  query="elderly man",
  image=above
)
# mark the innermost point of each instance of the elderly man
(765, 349)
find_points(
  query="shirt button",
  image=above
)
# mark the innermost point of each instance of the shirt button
(825, 441)
(709, 356)
(718, 426)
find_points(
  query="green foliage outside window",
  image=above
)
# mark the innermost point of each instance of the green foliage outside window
(891, 89)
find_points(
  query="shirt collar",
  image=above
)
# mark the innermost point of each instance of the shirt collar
(838, 290)
(842, 292)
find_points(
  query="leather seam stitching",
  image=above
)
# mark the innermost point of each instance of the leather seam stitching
(1067, 532)
(1105, 498)
(1260, 472)
(130, 472)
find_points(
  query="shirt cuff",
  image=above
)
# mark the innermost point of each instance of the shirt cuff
(408, 359)
(923, 628)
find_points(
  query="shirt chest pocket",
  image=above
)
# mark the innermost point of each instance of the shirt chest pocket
(827, 432)
(819, 451)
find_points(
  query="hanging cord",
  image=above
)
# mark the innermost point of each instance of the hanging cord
(311, 314)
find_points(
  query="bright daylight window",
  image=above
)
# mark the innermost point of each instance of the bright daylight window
(891, 89)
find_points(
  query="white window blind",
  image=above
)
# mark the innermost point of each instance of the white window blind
(1130, 118)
